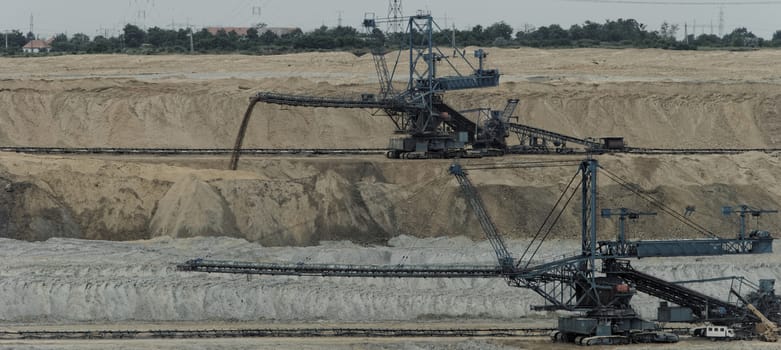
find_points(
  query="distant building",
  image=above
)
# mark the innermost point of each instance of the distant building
(242, 31)
(36, 46)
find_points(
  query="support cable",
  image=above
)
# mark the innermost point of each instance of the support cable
(625, 184)
(550, 228)
(550, 213)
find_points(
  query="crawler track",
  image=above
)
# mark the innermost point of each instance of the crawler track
(276, 333)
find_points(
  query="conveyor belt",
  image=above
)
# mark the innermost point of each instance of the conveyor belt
(325, 102)
(550, 135)
(703, 306)
(193, 151)
(638, 150)
(417, 271)
(457, 121)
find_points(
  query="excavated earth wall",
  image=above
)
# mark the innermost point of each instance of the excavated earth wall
(94, 239)
(103, 112)
(300, 201)
(653, 98)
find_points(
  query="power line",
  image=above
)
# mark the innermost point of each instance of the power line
(140, 11)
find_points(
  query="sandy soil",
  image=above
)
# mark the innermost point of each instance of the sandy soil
(301, 201)
(653, 98)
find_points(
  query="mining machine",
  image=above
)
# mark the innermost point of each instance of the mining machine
(596, 284)
(765, 328)
(426, 126)
(764, 298)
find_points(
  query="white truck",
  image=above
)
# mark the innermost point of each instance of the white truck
(714, 332)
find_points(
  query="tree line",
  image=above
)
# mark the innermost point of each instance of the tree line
(259, 40)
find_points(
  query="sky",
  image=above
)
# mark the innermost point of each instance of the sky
(93, 17)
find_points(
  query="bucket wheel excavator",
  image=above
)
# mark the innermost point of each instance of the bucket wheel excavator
(426, 126)
(595, 284)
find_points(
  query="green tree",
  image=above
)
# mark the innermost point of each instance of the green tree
(498, 30)
(163, 38)
(623, 30)
(16, 40)
(740, 37)
(203, 40)
(710, 40)
(524, 33)
(288, 40)
(668, 30)
(345, 37)
(776, 41)
(80, 42)
(586, 35)
(224, 41)
(100, 44)
(268, 37)
(477, 35)
(378, 37)
(134, 36)
(588, 31)
(252, 34)
(552, 35)
(320, 38)
(61, 43)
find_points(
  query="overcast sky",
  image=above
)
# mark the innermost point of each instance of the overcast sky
(94, 17)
